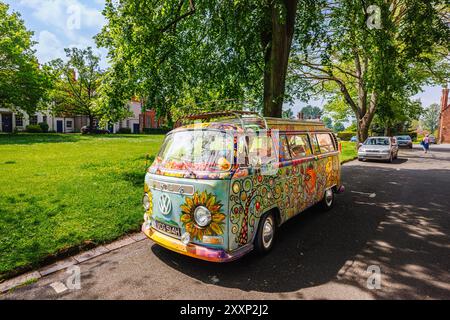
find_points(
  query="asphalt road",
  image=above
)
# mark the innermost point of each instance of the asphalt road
(392, 216)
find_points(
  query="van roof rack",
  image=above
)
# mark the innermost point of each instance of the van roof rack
(241, 116)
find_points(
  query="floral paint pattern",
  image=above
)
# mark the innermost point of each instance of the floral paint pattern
(293, 189)
(208, 200)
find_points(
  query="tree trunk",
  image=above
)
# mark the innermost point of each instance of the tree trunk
(91, 123)
(277, 44)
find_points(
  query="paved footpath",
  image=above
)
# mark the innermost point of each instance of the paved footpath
(394, 217)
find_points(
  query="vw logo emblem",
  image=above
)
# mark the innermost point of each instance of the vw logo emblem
(164, 204)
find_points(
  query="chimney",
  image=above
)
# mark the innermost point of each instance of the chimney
(300, 115)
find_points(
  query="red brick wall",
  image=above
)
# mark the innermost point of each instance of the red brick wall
(444, 126)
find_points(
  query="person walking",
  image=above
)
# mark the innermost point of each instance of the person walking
(426, 143)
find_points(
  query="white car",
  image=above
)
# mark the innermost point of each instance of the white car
(378, 148)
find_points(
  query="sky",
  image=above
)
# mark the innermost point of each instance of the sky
(60, 24)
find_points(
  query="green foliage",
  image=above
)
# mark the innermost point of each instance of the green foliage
(95, 196)
(124, 131)
(430, 117)
(328, 122)
(33, 128)
(364, 71)
(22, 82)
(44, 127)
(288, 114)
(339, 127)
(310, 112)
(77, 87)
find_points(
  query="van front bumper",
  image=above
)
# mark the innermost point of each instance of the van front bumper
(194, 250)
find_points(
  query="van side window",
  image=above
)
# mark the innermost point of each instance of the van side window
(325, 142)
(315, 144)
(261, 150)
(285, 154)
(299, 145)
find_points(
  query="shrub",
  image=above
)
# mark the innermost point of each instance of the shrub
(156, 131)
(346, 135)
(124, 131)
(44, 126)
(33, 129)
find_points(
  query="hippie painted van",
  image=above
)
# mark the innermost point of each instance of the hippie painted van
(222, 185)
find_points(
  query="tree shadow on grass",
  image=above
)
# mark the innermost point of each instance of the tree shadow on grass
(403, 229)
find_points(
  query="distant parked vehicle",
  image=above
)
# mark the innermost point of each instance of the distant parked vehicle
(378, 148)
(404, 141)
(432, 139)
(87, 130)
(354, 139)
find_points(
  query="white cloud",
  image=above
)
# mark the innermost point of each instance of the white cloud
(61, 13)
(49, 47)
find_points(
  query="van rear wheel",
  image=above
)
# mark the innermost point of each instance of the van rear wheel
(327, 202)
(266, 233)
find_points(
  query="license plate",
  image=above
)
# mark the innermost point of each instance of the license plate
(166, 228)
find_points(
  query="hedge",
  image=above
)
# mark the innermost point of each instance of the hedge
(156, 131)
(346, 135)
(33, 129)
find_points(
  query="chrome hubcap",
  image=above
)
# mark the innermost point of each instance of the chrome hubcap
(329, 197)
(267, 235)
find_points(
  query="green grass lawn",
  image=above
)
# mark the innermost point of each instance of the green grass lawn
(63, 191)
(349, 151)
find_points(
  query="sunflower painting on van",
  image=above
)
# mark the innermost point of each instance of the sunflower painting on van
(223, 184)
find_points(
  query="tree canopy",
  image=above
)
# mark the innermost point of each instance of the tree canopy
(22, 82)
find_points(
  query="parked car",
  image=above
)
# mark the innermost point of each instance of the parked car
(87, 130)
(378, 148)
(354, 139)
(432, 139)
(404, 141)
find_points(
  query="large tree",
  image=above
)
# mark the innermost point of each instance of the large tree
(22, 82)
(430, 117)
(76, 85)
(373, 57)
(180, 52)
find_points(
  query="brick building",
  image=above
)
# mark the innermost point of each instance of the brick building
(444, 123)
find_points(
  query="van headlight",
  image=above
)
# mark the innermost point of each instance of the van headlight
(202, 216)
(146, 202)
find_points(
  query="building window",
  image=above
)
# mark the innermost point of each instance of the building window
(34, 120)
(44, 119)
(69, 124)
(19, 121)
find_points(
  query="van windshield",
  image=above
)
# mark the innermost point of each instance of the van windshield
(197, 150)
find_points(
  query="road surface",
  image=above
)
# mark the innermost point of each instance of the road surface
(394, 217)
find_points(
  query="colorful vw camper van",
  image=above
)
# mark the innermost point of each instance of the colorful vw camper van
(224, 182)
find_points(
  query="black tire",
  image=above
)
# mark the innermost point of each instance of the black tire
(359, 159)
(328, 200)
(261, 243)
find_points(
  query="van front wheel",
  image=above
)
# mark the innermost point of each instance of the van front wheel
(266, 233)
(328, 200)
